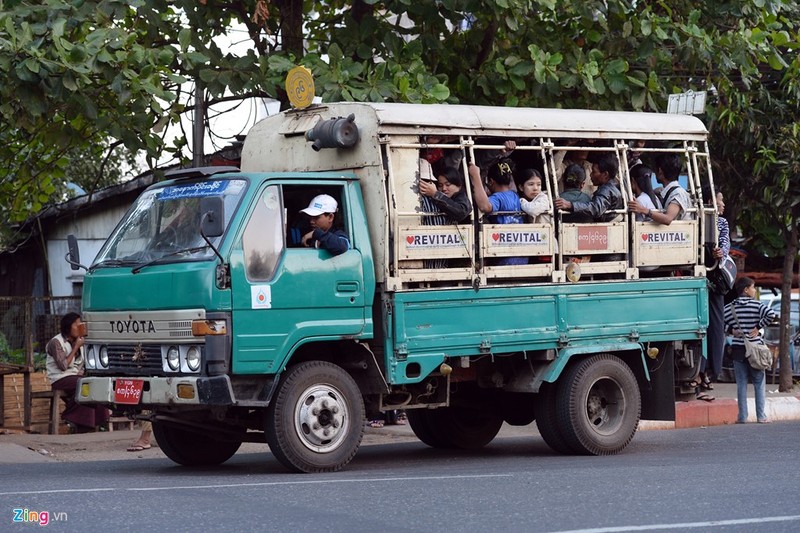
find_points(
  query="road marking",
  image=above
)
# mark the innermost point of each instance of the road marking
(265, 484)
(710, 523)
(56, 491)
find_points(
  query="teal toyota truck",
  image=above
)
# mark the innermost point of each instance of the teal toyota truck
(206, 314)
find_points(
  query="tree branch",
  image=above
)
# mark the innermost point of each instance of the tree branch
(487, 45)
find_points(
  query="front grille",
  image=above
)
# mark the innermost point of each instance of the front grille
(134, 357)
(180, 329)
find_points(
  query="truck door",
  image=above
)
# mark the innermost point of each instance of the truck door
(283, 293)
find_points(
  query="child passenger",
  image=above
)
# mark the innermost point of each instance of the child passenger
(503, 201)
(533, 200)
(573, 179)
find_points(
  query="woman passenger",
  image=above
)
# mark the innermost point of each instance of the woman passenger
(448, 195)
(642, 185)
(533, 200)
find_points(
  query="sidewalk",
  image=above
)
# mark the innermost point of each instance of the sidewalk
(103, 446)
(724, 409)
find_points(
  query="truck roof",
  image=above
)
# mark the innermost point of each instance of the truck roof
(477, 120)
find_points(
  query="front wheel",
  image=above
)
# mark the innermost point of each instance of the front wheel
(315, 420)
(193, 448)
(598, 405)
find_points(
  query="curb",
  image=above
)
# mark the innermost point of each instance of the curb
(724, 411)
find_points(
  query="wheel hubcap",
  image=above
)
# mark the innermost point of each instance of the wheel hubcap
(605, 406)
(321, 418)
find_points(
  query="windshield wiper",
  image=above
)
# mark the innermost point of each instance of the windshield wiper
(110, 263)
(135, 270)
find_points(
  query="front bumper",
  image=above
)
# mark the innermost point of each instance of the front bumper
(207, 391)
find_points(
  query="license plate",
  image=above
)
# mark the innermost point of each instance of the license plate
(128, 391)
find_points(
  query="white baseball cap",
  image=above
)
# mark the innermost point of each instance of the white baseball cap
(321, 204)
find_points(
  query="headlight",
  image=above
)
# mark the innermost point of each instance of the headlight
(193, 358)
(173, 358)
(104, 357)
(90, 360)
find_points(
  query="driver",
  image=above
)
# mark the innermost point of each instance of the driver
(322, 213)
(183, 228)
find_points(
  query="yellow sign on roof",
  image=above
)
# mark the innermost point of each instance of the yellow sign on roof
(300, 87)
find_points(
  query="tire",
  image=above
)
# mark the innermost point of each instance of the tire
(465, 428)
(420, 422)
(598, 405)
(517, 409)
(315, 420)
(192, 448)
(547, 420)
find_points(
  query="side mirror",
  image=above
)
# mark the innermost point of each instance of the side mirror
(73, 255)
(212, 209)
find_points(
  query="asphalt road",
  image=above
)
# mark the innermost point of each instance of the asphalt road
(725, 478)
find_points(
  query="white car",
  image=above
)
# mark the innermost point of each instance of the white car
(772, 333)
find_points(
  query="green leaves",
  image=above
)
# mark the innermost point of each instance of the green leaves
(76, 71)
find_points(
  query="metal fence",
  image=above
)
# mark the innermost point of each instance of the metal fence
(27, 324)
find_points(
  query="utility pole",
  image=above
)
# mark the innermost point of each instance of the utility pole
(198, 132)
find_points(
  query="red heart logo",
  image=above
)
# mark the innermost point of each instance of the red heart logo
(496, 236)
(410, 239)
(644, 237)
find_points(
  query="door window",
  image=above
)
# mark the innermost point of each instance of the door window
(263, 236)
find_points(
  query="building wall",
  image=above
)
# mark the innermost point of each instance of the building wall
(91, 230)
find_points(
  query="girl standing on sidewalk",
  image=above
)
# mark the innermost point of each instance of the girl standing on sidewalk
(751, 315)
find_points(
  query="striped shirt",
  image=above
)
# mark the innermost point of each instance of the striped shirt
(724, 237)
(751, 314)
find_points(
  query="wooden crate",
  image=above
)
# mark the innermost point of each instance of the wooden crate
(14, 400)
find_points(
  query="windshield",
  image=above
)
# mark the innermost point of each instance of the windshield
(165, 223)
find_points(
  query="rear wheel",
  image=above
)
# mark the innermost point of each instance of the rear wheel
(547, 419)
(421, 425)
(598, 405)
(315, 420)
(457, 426)
(517, 409)
(193, 448)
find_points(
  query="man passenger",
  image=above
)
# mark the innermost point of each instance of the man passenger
(606, 198)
